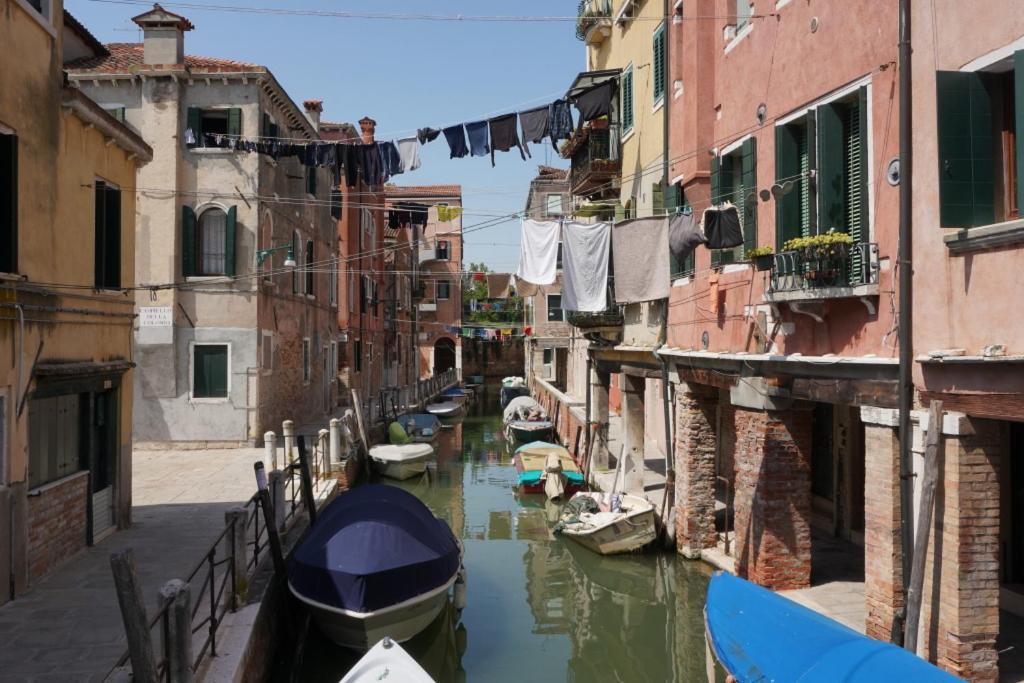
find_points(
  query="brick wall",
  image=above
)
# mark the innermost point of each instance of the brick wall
(773, 497)
(566, 422)
(56, 524)
(493, 358)
(883, 570)
(695, 447)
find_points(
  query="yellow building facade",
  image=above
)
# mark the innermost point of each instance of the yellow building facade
(67, 217)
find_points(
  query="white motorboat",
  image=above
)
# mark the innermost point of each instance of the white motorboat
(401, 462)
(387, 660)
(444, 409)
(589, 520)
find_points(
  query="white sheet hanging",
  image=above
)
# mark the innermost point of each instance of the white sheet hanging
(585, 253)
(409, 152)
(539, 257)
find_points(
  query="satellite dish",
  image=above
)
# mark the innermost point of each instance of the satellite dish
(788, 186)
(777, 191)
(765, 195)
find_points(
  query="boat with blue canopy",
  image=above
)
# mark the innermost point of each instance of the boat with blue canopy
(758, 635)
(376, 563)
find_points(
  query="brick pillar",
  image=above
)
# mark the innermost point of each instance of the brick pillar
(883, 550)
(695, 447)
(773, 497)
(633, 434)
(599, 384)
(960, 620)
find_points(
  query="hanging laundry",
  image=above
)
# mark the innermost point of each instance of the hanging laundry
(528, 331)
(496, 306)
(372, 164)
(714, 292)
(504, 135)
(722, 227)
(425, 135)
(539, 252)
(640, 258)
(392, 159)
(477, 133)
(456, 137)
(352, 160)
(409, 151)
(585, 254)
(596, 101)
(498, 285)
(190, 137)
(684, 236)
(559, 122)
(474, 304)
(534, 123)
(447, 213)
(506, 331)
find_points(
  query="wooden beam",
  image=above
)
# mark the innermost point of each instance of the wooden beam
(860, 392)
(712, 378)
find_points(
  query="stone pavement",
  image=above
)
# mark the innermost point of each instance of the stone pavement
(68, 627)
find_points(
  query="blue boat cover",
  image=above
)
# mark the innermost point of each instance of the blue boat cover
(373, 547)
(761, 636)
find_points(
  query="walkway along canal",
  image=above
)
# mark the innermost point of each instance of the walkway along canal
(539, 608)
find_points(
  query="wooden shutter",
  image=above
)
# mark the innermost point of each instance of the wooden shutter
(748, 207)
(857, 141)
(716, 198)
(9, 204)
(1018, 105)
(188, 241)
(230, 241)
(966, 191)
(658, 60)
(297, 255)
(310, 274)
(118, 114)
(112, 238)
(234, 121)
(210, 371)
(336, 203)
(831, 169)
(787, 167)
(195, 123)
(657, 199)
(627, 100)
(100, 219)
(265, 125)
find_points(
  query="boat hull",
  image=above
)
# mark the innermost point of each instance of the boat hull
(362, 630)
(526, 435)
(401, 470)
(625, 535)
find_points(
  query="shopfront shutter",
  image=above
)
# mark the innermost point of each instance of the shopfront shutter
(748, 195)
(966, 197)
(234, 121)
(831, 169)
(195, 123)
(230, 241)
(188, 241)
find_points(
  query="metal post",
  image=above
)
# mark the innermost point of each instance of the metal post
(321, 443)
(270, 447)
(306, 481)
(268, 513)
(288, 431)
(906, 312)
(176, 596)
(133, 612)
(335, 446)
(237, 518)
(277, 483)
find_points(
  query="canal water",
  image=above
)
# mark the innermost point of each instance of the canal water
(539, 608)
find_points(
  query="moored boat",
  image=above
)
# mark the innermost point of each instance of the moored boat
(457, 394)
(532, 464)
(444, 409)
(759, 635)
(421, 427)
(376, 563)
(608, 523)
(401, 461)
(525, 431)
(387, 659)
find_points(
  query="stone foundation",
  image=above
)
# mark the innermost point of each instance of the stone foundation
(695, 449)
(57, 518)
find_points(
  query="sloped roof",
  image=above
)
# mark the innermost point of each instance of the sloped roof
(128, 57)
(422, 190)
(552, 173)
(79, 29)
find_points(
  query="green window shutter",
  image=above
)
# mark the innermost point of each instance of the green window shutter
(857, 139)
(831, 174)
(1018, 90)
(966, 191)
(234, 121)
(671, 198)
(657, 199)
(627, 100)
(716, 197)
(658, 60)
(188, 241)
(788, 161)
(9, 204)
(195, 123)
(620, 212)
(118, 114)
(230, 241)
(298, 258)
(210, 371)
(748, 205)
(265, 125)
(310, 271)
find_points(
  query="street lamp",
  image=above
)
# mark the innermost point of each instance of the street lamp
(289, 261)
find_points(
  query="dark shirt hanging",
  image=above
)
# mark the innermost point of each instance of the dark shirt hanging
(559, 122)
(722, 227)
(426, 135)
(596, 101)
(412, 212)
(456, 137)
(684, 236)
(504, 135)
(477, 133)
(392, 159)
(372, 164)
(534, 123)
(351, 159)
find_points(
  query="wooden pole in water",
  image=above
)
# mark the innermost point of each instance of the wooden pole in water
(267, 506)
(306, 478)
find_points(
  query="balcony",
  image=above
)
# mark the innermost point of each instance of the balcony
(799, 277)
(596, 160)
(603, 327)
(593, 23)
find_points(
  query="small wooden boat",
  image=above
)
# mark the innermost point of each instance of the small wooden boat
(508, 393)
(401, 462)
(759, 635)
(376, 563)
(525, 431)
(532, 464)
(589, 520)
(421, 427)
(457, 394)
(384, 660)
(444, 409)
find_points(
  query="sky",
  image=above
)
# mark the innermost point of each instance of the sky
(405, 75)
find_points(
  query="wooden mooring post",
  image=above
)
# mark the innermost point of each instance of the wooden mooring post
(267, 506)
(133, 613)
(176, 601)
(306, 478)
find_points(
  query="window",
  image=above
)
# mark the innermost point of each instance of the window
(734, 179)
(443, 250)
(443, 289)
(297, 252)
(3, 439)
(555, 312)
(55, 438)
(41, 6)
(627, 99)
(334, 358)
(821, 158)
(267, 352)
(116, 112)
(210, 371)
(269, 128)
(558, 257)
(311, 180)
(554, 204)
(8, 202)
(332, 285)
(548, 359)
(107, 254)
(679, 202)
(208, 244)
(981, 144)
(336, 203)
(658, 61)
(743, 13)
(204, 122)
(358, 355)
(310, 268)
(307, 361)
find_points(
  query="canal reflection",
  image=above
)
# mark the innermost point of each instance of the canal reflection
(539, 608)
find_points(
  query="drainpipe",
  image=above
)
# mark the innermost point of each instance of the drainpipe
(906, 312)
(666, 12)
(670, 471)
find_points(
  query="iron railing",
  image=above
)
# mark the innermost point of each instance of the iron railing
(847, 267)
(589, 14)
(597, 160)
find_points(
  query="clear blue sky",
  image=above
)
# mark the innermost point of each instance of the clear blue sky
(404, 74)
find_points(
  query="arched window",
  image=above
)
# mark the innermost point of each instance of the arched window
(212, 242)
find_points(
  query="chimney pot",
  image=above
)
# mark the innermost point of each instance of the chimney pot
(163, 36)
(368, 127)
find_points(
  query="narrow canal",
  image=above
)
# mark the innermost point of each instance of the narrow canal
(539, 607)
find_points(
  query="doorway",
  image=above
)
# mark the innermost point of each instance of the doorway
(444, 355)
(102, 458)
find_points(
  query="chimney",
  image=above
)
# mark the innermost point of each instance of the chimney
(367, 126)
(163, 36)
(313, 110)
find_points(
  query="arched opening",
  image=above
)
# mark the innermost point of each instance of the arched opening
(212, 242)
(444, 355)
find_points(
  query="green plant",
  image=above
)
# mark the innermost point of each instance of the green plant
(827, 244)
(758, 251)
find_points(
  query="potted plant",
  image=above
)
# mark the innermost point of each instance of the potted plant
(761, 257)
(824, 256)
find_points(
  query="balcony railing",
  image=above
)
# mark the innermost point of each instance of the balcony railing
(842, 273)
(593, 24)
(596, 160)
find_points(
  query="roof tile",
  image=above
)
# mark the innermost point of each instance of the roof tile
(128, 57)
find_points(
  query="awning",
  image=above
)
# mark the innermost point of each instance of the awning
(588, 79)
(79, 369)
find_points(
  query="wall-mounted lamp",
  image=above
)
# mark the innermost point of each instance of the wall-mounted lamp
(289, 261)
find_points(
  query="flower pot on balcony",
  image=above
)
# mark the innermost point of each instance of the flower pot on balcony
(764, 262)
